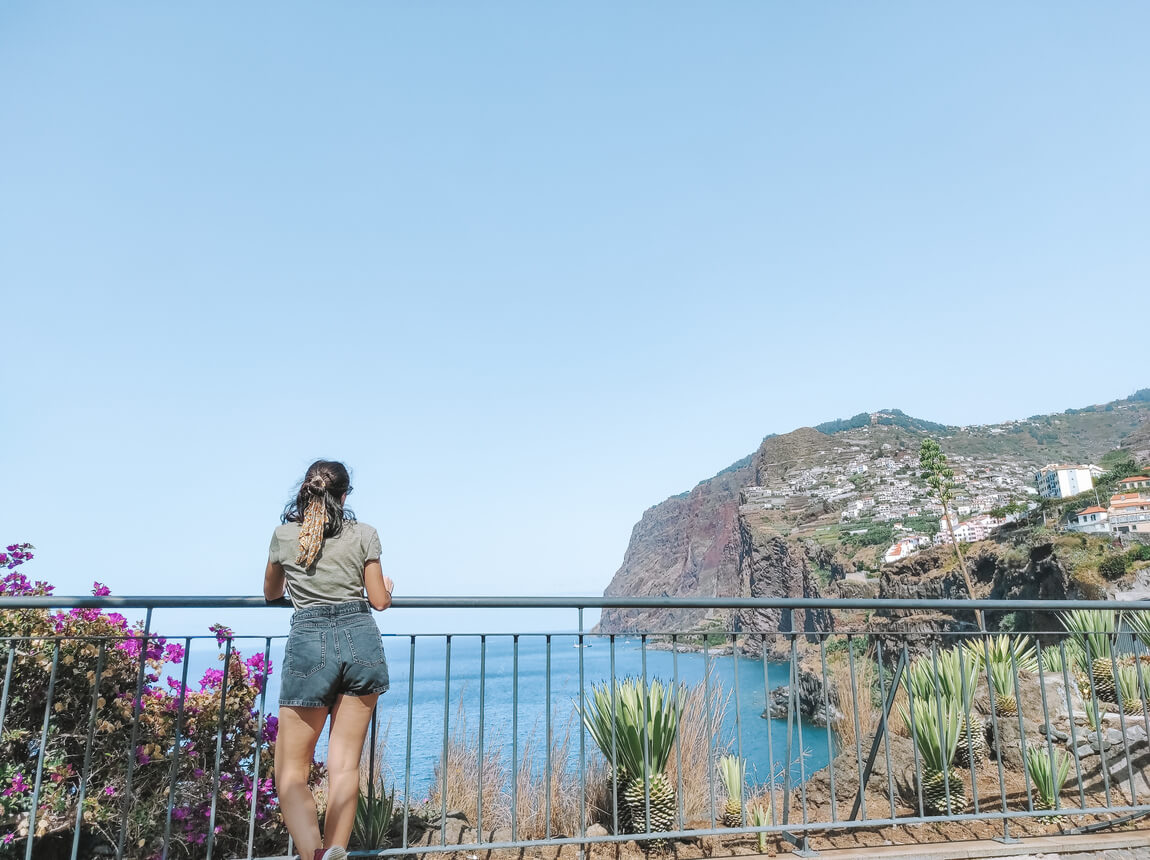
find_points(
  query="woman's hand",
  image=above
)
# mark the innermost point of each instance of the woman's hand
(379, 587)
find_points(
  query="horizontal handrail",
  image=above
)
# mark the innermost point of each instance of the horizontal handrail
(529, 602)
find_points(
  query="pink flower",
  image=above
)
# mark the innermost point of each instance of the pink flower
(18, 785)
(110, 790)
(271, 729)
(223, 633)
(212, 678)
(173, 653)
(100, 590)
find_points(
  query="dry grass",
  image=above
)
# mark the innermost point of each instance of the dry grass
(537, 785)
(698, 729)
(460, 774)
(869, 714)
(702, 715)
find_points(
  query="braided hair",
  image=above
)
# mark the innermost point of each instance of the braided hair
(318, 508)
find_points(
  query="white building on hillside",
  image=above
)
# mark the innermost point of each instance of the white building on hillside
(1061, 482)
(1092, 520)
(968, 531)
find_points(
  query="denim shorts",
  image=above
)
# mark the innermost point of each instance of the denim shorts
(332, 650)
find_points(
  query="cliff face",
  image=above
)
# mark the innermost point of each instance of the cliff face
(997, 572)
(772, 566)
(686, 546)
(691, 545)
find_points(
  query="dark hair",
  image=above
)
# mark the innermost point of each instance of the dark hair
(318, 508)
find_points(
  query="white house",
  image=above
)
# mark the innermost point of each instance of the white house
(1092, 520)
(1060, 482)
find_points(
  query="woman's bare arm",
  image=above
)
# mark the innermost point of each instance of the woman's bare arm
(379, 587)
(274, 581)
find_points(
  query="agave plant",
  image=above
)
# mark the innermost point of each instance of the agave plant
(951, 675)
(959, 676)
(374, 820)
(732, 771)
(1048, 775)
(761, 817)
(637, 737)
(1093, 631)
(1053, 661)
(1132, 683)
(934, 725)
(1004, 655)
(1139, 622)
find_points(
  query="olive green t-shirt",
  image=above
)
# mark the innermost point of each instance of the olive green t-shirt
(337, 574)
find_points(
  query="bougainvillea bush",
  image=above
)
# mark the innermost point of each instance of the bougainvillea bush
(90, 646)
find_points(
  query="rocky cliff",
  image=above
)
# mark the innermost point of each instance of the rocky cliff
(706, 544)
(772, 566)
(686, 546)
(998, 572)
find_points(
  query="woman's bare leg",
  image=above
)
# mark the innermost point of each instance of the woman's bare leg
(350, 719)
(299, 729)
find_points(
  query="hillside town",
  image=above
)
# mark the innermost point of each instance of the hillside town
(868, 487)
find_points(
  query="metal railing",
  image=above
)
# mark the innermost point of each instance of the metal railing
(96, 748)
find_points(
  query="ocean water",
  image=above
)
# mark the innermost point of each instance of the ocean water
(445, 693)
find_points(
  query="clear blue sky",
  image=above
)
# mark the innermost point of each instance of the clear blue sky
(531, 268)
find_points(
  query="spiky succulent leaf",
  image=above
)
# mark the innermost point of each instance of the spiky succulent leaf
(1047, 774)
(1132, 682)
(761, 817)
(375, 819)
(935, 727)
(732, 770)
(1017, 650)
(1066, 654)
(1139, 622)
(1092, 630)
(644, 719)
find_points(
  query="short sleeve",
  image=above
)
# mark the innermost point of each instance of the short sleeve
(372, 546)
(274, 550)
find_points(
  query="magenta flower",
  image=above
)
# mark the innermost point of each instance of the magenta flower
(223, 633)
(173, 653)
(100, 590)
(212, 678)
(110, 790)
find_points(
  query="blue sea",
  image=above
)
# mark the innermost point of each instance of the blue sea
(515, 703)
